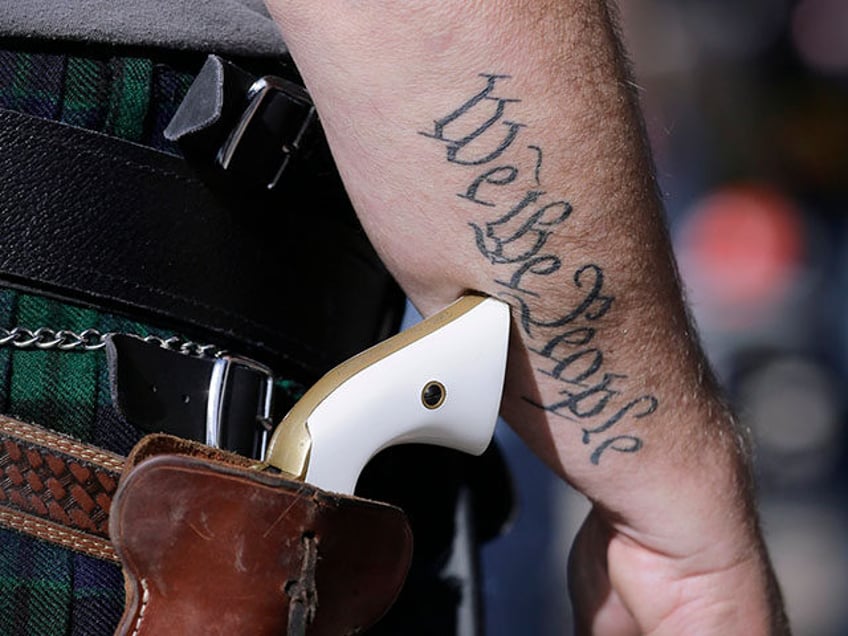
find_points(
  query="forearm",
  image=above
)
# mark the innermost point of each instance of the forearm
(496, 146)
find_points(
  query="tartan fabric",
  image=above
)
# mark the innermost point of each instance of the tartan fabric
(64, 391)
(46, 590)
(128, 97)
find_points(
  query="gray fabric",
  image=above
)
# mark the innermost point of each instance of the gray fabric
(234, 27)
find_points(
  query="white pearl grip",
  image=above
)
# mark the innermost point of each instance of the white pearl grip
(382, 405)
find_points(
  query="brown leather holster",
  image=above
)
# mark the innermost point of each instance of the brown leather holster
(213, 547)
(209, 543)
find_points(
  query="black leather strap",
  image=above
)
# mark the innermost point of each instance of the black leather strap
(290, 281)
(248, 131)
(226, 402)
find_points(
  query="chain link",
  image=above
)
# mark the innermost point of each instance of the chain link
(187, 347)
(47, 339)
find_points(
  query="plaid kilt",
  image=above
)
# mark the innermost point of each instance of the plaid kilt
(46, 590)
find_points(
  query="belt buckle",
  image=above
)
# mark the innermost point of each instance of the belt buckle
(278, 116)
(229, 431)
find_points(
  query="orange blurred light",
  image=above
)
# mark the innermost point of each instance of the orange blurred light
(741, 246)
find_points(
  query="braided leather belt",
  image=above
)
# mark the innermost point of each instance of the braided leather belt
(57, 489)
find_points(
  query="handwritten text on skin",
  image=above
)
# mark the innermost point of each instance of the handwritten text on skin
(482, 138)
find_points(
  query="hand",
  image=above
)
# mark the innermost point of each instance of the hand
(621, 588)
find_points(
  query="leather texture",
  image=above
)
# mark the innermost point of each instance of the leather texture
(163, 391)
(209, 542)
(94, 219)
(56, 489)
(212, 547)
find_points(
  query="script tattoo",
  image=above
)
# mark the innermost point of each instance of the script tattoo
(512, 232)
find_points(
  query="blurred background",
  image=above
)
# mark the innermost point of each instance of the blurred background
(746, 106)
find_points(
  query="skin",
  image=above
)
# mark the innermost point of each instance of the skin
(497, 146)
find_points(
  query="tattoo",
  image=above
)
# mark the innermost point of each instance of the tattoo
(479, 136)
(538, 168)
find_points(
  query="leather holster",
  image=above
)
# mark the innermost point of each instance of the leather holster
(210, 544)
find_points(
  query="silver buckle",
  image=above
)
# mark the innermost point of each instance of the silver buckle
(218, 393)
(261, 96)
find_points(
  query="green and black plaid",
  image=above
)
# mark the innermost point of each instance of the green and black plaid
(46, 590)
(130, 98)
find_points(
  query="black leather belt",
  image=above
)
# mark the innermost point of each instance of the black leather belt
(287, 278)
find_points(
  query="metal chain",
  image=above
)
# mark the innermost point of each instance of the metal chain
(187, 347)
(46, 339)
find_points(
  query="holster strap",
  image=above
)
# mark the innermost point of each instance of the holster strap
(224, 401)
(246, 130)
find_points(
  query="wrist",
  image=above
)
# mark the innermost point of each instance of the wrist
(739, 598)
